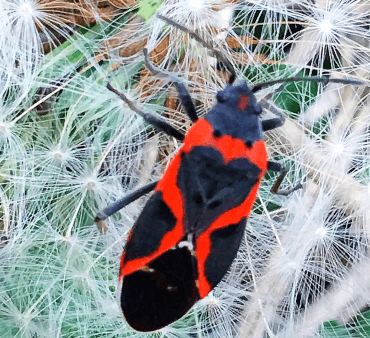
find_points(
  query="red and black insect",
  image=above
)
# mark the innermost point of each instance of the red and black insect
(190, 230)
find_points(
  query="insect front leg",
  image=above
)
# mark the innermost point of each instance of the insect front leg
(272, 124)
(186, 101)
(149, 118)
(275, 122)
(118, 205)
(184, 95)
(275, 189)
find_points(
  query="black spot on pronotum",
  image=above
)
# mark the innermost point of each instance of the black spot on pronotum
(216, 133)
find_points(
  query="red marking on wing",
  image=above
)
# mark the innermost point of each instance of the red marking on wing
(243, 102)
(122, 260)
(172, 196)
(170, 239)
(203, 242)
(121, 265)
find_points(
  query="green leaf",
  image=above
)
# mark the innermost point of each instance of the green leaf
(147, 8)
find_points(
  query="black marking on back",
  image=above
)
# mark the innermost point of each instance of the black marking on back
(155, 220)
(225, 245)
(152, 300)
(210, 187)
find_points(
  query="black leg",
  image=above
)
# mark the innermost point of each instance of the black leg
(111, 209)
(272, 124)
(186, 101)
(149, 118)
(271, 107)
(274, 166)
(184, 95)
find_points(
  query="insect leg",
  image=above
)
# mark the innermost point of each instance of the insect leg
(274, 166)
(272, 124)
(186, 101)
(149, 118)
(111, 209)
(184, 95)
(267, 105)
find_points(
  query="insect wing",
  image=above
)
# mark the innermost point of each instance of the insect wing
(160, 294)
(145, 241)
(157, 283)
(217, 203)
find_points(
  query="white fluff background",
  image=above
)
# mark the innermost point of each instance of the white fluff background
(69, 147)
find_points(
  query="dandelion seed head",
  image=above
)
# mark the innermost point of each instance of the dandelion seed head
(195, 4)
(27, 9)
(321, 232)
(58, 155)
(326, 26)
(88, 180)
(90, 186)
(61, 156)
(338, 149)
(3, 128)
(212, 300)
(90, 183)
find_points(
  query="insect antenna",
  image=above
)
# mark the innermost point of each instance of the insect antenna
(259, 86)
(215, 52)
(155, 70)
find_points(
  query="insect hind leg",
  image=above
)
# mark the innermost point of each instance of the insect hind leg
(118, 205)
(275, 189)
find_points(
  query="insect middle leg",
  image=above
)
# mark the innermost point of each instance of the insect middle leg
(275, 189)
